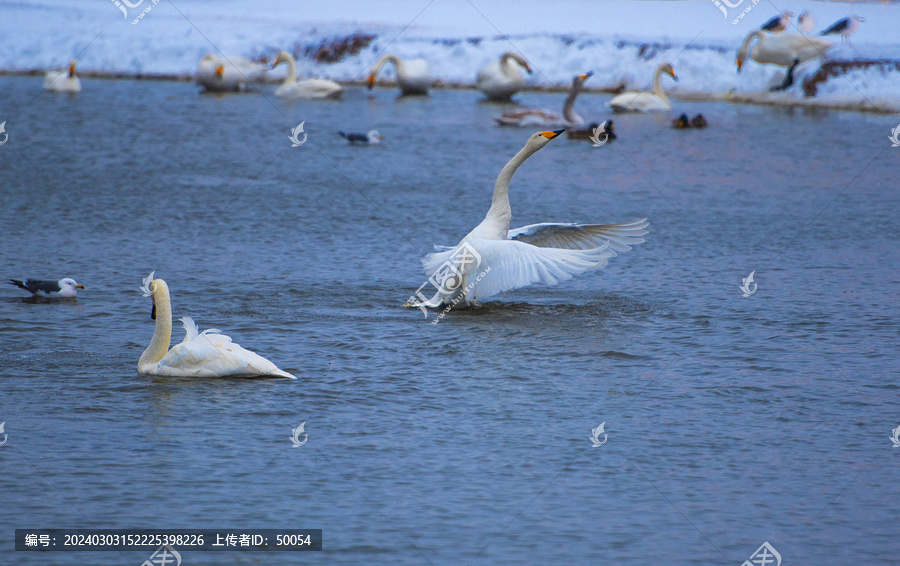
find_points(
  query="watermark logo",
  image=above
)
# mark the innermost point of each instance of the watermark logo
(895, 439)
(595, 135)
(295, 133)
(6, 136)
(164, 556)
(121, 5)
(764, 556)
(595, 436)
(6, 436)
(747, 281)
(448, 279)
(295, 438)
(721, 5)
(895, 134)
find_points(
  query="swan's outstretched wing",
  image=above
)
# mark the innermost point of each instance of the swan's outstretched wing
(620, 237)
(510, 264)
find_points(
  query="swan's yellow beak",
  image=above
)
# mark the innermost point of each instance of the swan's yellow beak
(220, 70)
(528, 68)
(72, 69)
(79, 286)
(585, 76)
(371, 81)
(552, 134)
(740, 63)
(276, 62)
(672, 74)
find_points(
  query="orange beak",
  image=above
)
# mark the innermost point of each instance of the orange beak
(740, 63)
(552, 134)
(71, 69)
(220, 70)
(371, 81)
(79, 286)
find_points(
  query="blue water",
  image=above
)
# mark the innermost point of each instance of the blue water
(731, 420)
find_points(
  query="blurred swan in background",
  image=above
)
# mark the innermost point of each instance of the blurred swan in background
(643, 101)
(63, 81)
(492, 258)
(547, 118)
(413, 75)
(502, 79)
(783, 50)
(217, 74)
(200, 354)
(303, 89)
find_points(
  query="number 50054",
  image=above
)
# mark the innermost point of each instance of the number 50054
(293, 540)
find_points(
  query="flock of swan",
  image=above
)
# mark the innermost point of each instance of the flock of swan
(507, 258)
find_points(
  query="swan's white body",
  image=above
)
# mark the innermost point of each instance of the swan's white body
(200, 354)
(63, 81)
(413, 75)
(643, 101)
(304, 89)
(534, 117)
(503, 78)
(782, 49)
(500, 259)
(232, 74)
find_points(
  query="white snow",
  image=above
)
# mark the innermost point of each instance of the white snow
(620, 40)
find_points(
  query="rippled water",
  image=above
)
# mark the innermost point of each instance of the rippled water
(731, 421)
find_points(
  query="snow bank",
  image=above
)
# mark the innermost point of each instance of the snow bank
(620, 40)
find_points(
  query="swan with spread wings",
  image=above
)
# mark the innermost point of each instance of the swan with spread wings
(492, 258)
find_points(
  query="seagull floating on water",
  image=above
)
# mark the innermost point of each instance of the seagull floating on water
(371, 137)
(200, 354)
(779, 23)
(65, 288)
(498, 259)
(844, 28)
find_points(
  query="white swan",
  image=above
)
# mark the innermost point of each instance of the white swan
(502, 79)
(306, 88)
(548, 118)
(783, 50)
(644, 101)
(63, 81)
(413, 75)
(492, 258)
(200, 354)
(217, 74)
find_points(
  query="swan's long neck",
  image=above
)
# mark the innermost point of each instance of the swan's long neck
(745, 47)
(500, 210)
(162, 335)
(509, 65)
(657, 85)
(292, 70)
(569, 113)
(398, 64)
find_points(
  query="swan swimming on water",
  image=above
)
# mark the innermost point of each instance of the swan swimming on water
(502, 79)
(643, 101)
(63, 81)
(534, 117)
(200, 354)
(217, 74)
(492, 258)
(303, 89)
(413, 76)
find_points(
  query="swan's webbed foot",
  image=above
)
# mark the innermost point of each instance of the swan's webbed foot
(788, 78)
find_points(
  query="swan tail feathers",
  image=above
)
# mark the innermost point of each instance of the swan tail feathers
(191, 330)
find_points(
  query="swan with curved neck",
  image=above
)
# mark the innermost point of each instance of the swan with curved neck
(643, 101)
(293, 88)
(63, 81)
(548, 118)
(786, 50)
(413, 75)
(492, 258)
(501, 79)
(200, 354)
